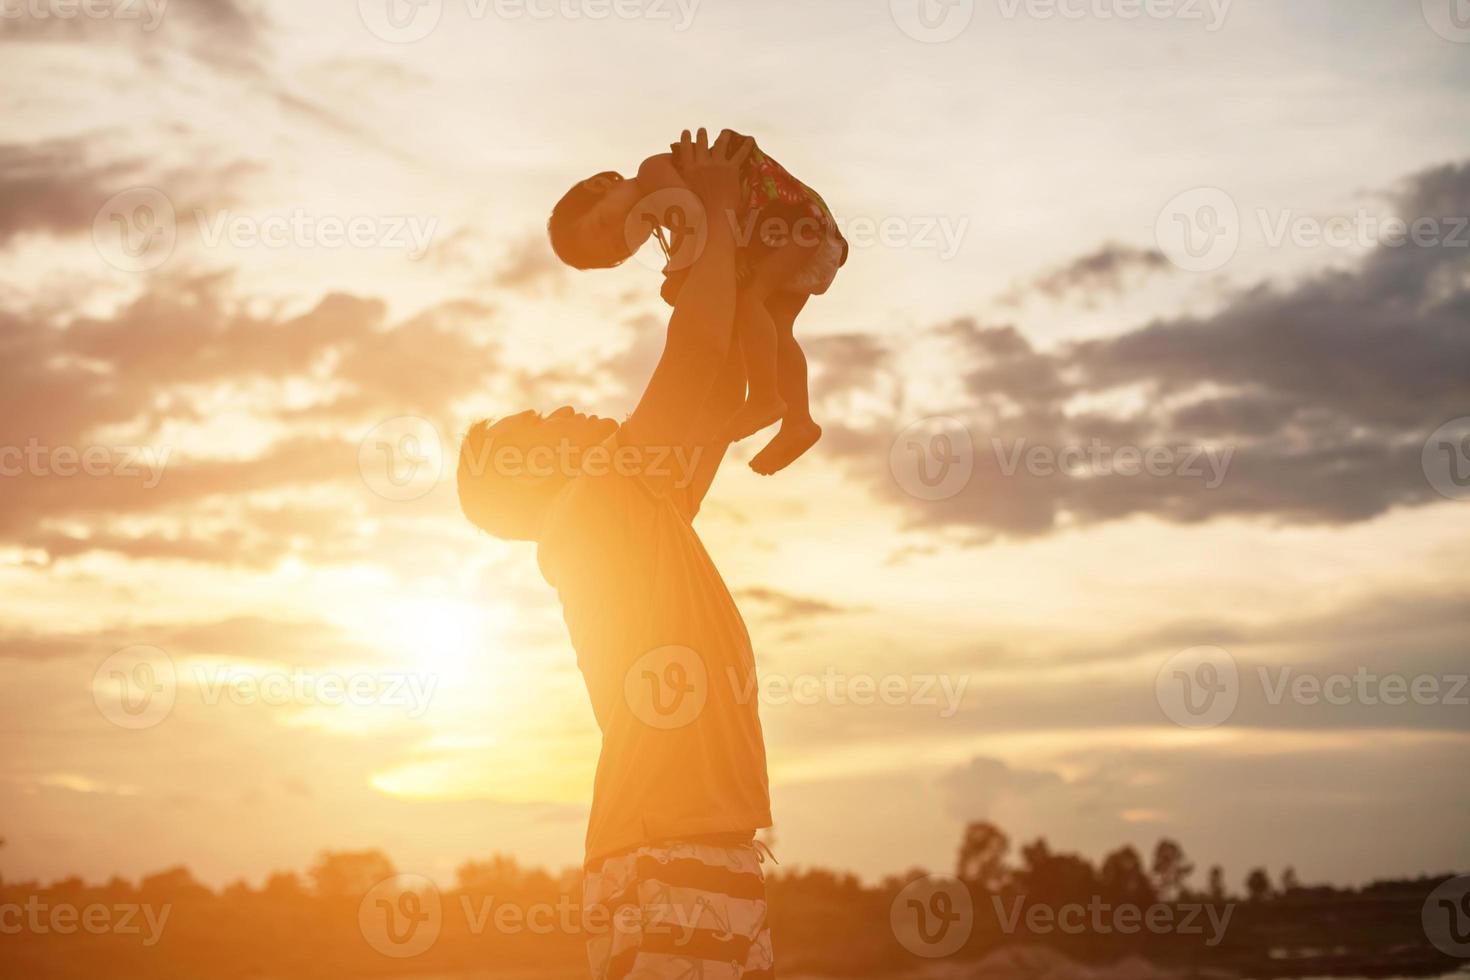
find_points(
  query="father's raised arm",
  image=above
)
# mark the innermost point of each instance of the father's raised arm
(699, 335)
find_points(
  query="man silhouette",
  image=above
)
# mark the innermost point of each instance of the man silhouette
(674, 886)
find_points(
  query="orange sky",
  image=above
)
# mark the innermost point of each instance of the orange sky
(328, 226)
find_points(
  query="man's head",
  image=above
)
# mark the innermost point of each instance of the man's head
(510, 471)
(588, 226)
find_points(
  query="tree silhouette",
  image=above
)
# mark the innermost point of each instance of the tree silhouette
(1258, 885)
(1289, 882)
(1123, 879)
(349, 873)
(1171, 869)
(982, 856)
(1049, 878)
(284, 885)
(1217, 884)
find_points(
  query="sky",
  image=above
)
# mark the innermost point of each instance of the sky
(1141, 509)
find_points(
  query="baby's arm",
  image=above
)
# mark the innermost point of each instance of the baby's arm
(657, 173)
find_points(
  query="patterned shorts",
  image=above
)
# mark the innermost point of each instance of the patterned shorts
(680, 911)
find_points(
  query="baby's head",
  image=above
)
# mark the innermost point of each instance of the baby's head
(588, 226)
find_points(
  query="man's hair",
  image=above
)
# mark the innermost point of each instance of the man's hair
(569, 211)
(509, 505)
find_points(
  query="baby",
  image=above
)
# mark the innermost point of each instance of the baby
(789, 249)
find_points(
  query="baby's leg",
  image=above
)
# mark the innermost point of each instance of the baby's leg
(759, 342)
(757, 335)
(798, 432)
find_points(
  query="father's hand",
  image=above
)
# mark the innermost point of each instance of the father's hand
(712, 172)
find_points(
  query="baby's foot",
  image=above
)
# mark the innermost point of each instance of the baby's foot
(794, 439)
(755, 415)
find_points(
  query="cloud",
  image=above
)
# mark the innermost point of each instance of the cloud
(214, 31)
(1107, 270)
(68, 385)
(531, 266)
(54, 187)
(301, 642)
(49, 187)
(1315, 401)
(843, 363)
(785, 607)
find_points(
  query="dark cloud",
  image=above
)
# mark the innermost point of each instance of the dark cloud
(1323, 393)
(302, 642)
(844, 362)
(785, 607)
(157, 362)
(54, 187)
(217, 31)
(1107, 271)
(531, 266)
(49, 187)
